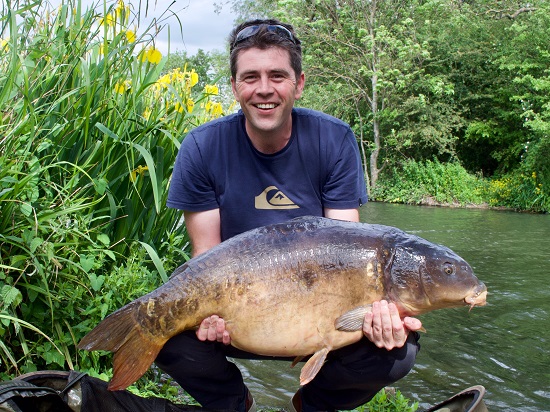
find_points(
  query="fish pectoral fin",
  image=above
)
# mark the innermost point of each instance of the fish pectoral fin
(296, 360)
(313, 366)
(352, 320)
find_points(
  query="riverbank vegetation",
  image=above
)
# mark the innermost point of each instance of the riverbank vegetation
(90, 126)
(449, 101)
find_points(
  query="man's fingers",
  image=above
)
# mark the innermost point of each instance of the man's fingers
(413, 324)
(213, 329)
(220, 329)
(385, 328)
(208, 328)
(226, 339)
(398, 331)
(202, 331)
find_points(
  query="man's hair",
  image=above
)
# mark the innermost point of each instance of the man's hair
(263, 39)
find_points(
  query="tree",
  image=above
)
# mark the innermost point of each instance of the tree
(525, 59)
(365, 56)
(201, 63)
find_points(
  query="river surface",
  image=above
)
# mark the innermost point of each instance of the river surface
(504, 346)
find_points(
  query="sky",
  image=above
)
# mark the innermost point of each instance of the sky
(201, 27)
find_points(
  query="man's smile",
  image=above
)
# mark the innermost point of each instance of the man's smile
(266, 105)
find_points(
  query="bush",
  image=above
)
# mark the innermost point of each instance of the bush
(430, 182)
(519, 191)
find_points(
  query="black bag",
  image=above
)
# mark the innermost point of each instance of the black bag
(61, 391)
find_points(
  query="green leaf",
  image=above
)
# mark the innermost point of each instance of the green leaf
(35, 243)
(26, 209)
(96, 281)
(110, 254)
(156, 261)
(100, 185)
(103, 238)
(87, 262)
(54, 356)
(11, 295)
(152, 173)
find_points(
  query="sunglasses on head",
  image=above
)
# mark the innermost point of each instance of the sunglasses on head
(250, 31)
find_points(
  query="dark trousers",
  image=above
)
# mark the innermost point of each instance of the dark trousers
(351, 376)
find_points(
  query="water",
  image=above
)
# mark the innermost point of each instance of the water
(503, 346)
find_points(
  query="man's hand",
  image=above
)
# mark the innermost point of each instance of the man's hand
(384, 327)
(213, 329)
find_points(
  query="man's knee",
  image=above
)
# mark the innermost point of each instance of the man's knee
(365, 363)
(406, 359)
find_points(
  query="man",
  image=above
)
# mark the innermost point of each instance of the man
(269, 163)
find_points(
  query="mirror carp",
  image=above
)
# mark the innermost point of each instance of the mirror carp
(293, 289)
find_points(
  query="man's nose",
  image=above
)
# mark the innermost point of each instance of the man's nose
(264, 85)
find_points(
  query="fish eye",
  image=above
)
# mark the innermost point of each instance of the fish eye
(448, 268)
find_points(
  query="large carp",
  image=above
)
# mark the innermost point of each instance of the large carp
(291, 289)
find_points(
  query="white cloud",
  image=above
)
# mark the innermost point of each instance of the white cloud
(201, 27)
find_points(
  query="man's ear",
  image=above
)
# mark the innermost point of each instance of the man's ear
(300, 83)
(234, 88)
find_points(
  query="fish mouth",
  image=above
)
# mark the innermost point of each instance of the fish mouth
(478, 297)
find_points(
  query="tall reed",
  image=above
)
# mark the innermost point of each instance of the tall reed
(89, 130)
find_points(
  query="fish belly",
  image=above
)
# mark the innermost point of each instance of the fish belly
(288, 324)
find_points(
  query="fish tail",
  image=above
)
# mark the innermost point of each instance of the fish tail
(134, 349)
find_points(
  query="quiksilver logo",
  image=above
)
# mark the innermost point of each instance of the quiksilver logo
(273, 198)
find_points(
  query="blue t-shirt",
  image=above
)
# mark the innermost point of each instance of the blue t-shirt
(218, 167)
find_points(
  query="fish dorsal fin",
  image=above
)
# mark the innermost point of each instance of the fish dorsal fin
(352, 320)
(313, 365)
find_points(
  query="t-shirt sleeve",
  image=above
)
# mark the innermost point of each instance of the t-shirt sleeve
(191, 188)
(345, 186)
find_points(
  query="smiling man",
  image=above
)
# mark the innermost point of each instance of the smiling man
(269, 163)
(266, 88)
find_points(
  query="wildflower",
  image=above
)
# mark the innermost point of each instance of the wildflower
(534, 175)
(190, 105)
(211, 89)
(108, 21)
(130, 36)
(178, 107)
(194, 76)
(217, 110)
(147, 113)
(122, 12)
(151, 55)
(123, 87)
(154, 56)
(177, 75)
(164, 81)
(140, 170)
(4, 45)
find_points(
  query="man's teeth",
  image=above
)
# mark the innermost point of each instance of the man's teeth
(266, 106)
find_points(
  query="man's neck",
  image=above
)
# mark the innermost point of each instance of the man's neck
(269, 143)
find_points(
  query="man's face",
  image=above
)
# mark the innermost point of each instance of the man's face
(266, 87)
